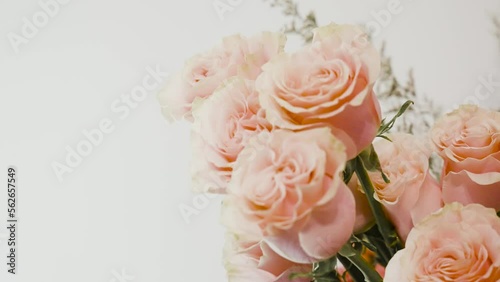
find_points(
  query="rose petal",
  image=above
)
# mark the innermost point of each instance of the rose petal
(467, 188)
(393, 271)
(330, 226)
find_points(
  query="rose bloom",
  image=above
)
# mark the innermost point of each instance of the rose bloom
(223, 125)
(203, 73)
(252, 261)
(287, 187)
(455, 244)
(412, 193)
(468, 140)
(327, 83)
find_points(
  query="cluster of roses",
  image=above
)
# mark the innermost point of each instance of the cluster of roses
(276, 132)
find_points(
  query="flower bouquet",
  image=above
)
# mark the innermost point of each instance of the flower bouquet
(316, 187)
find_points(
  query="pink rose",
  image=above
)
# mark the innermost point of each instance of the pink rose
(287, 187)
(412, 193)
(328, 83)
(248, 261)
(223, 125)
(455, 244)
(468, 139)
(203, 73)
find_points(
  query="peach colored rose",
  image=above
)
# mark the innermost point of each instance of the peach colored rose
(223, 125)
(287, 187)
(468, 139)
(248, 261)
(412, 193)
(455, 244)
(203, 73)
(328, 83)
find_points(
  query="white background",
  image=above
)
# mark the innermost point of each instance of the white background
(119, 208)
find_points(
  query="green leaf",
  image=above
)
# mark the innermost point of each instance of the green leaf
(375, 238)
(387, 126)
(349, 252)
(324, 268)
(324, 271)
(371, 162)
(366, 243)
(351, 269)
(385, 137)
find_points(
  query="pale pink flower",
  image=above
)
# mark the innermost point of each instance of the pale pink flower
(455, 244)
(468, 139)
(203, 73)
(327, 83)
(287, 187)
(412, 193)
(223, 125)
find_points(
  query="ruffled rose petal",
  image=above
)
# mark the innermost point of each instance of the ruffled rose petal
(330, 226)
(467, 188)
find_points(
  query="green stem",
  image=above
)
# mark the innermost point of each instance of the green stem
(375, 238)
(385, 227)
(371, 275)
(356, 274)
